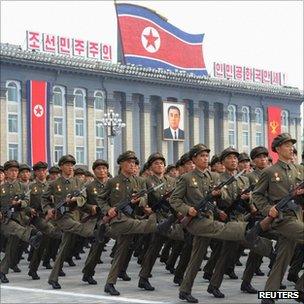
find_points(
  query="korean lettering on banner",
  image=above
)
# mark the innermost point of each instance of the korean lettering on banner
(218, 70)
(93, 49)
(248, 74)
(33, 40)
(64, 45)
(79, 47)
(49, 43)
(258, 75)
(106, 51)
(228, 71)
(238, 72)
(276, 78)
(266, 76)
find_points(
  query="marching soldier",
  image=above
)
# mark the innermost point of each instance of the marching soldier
(59, 192)
(275, 183)
(14, 199)
(54, 173)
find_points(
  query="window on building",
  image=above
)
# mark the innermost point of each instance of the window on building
(79, 127)
(259, 127)
(13, 151)
(79, 100)
(99, 129)
(99, 100)
(245, 129)
(80, 155)
(58, 96)
(232, 125)
(58, 153)
(13, 123)
(58, 126)
(13, 88)
(284, 121)
(99, 153)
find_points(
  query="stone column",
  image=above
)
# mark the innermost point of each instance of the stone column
(209, 130)
(225, 128)
(4, 127)
(145, 128)
(253, 130)
(24, 130)
(70, 125)
(91, 139)
(239, 129)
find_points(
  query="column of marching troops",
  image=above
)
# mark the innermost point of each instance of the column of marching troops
(153, 213)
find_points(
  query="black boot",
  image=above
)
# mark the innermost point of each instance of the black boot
(61, 273)
(89, 279)
(207, 276)
(109, 288)
(34, 275)
(259, 273)
(247, 287)
(54, 284)
(16, 269)
(71, 262)
(47, 265)
(124, 276)
(215, 291)
(3, 278)
(292, 277)
(188, 297)
(177, 280)
(231, 274)
(145, 284)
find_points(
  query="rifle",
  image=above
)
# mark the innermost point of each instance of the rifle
(206, 204)
(163, 203)
(285, 204)
(62, 207)
(124, 205)
(238, 204)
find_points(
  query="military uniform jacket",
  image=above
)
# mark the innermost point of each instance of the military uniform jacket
(8, 191)
(119, 188)
(58, 190)
(275, 183)
(156, 196)
(254, 176)
(191, 188)
(37, 189)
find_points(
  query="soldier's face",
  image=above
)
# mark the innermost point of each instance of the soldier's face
(173, 172)
(188, 166)
(81, 177)
(25, 175)
(41, 174)
(2, 176)
(201, 160)
(128, 166)
(158, 167)
(174, 118)
(244, 165)
(230, 162)
(101, 172)
(285, 151)
(67, 169)
(54, 176)
(218, 167)
(261, 161)
(12, 173)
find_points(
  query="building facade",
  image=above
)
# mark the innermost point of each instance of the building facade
(219, 113)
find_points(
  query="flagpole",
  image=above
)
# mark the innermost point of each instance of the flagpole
(120, 50)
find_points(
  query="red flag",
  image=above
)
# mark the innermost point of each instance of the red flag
(274, 128)
(38, 127)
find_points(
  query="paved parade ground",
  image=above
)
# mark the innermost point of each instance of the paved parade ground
(22, 289)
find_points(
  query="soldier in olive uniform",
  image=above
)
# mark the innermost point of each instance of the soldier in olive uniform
(156, 163)
(100, 168)
(122, 225)
(275, 183)
(58, 191)
(38, 187)
(190, 190)
(12, 223)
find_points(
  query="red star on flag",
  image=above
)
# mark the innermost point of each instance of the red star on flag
(151, 39)
(38, 111)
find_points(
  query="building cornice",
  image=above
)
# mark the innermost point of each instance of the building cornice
(12, 54)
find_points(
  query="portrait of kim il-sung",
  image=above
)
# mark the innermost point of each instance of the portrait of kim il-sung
(173, 121)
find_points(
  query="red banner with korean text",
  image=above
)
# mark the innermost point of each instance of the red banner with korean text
(38, 121)
(274, 128)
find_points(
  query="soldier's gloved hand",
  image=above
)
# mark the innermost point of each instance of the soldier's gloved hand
(112, 212)
(192, 211)
(147, 210)
(273, 212)
(216, 192)
(50, 214)
(135, 200)
(246, 196)
(33, 212)
(1, 216)
(93, 209)
(16, 202)
(223, 216)
(300, 192)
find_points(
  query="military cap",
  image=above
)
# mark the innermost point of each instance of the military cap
(67, 159)
(178, 164)
(228, 151)
(154, 157)
(126, 155)
(136, 161)
(79, 171)
(303, 155)
(88, 173)
(100, 162)
(243, 157)
(170, 167)
(1, 168)
(10, 164)
(295, 151)
(215, 159)
(281, 139)
(184, 158)
(24, 167)
(40, 165)
(54, 169)
(195, 150)
(255, 152)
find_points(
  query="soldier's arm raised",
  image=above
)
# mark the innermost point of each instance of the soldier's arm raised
(178, 195)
